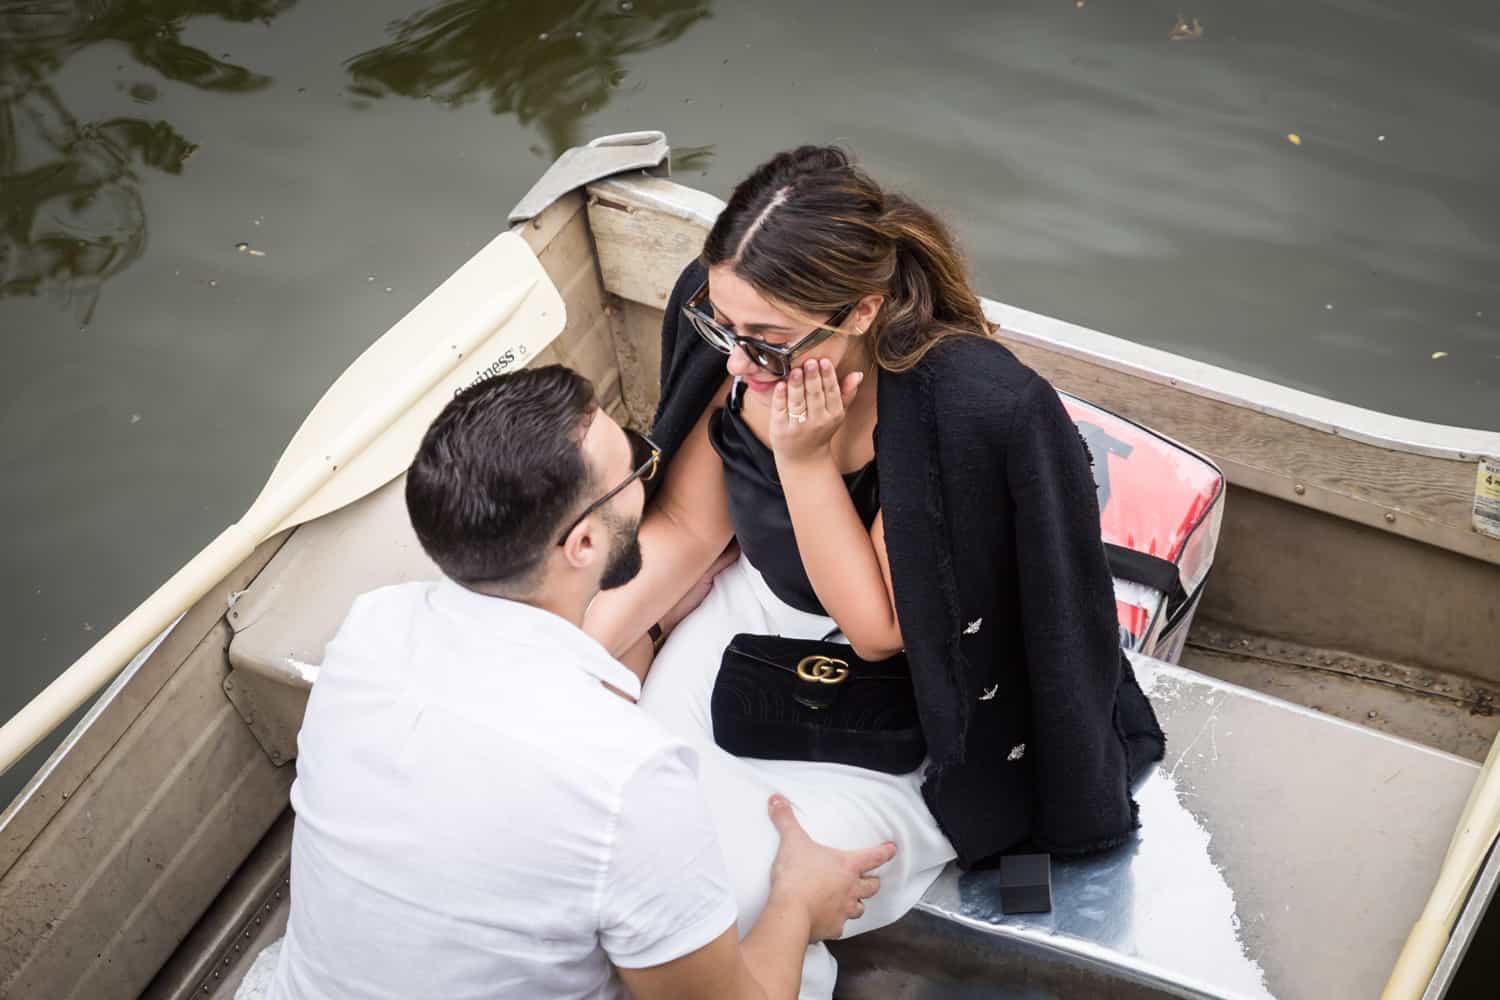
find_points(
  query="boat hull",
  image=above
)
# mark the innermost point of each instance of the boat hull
(1349, 577)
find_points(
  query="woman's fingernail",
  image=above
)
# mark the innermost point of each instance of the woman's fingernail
(859, 377)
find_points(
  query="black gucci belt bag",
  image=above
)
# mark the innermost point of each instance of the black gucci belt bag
(804, 699)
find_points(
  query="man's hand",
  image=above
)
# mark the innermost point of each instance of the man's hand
(814, 891)
(830, 885)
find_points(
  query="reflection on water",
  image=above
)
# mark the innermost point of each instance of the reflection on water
(71, 207)
(686, 159)
(550, 63)
(71, 212)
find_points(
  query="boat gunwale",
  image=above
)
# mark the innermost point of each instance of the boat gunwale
(76, 735)
(1481, 897)
(1176, 371)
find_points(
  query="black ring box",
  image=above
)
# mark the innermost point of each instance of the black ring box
(1026, 883)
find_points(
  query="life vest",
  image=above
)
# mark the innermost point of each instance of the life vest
(1160, 509)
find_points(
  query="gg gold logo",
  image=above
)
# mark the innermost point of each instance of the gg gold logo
(822, 669)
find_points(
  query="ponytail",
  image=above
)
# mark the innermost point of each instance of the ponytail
(930, 297)
(810, 229)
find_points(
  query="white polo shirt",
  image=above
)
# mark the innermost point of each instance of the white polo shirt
(478, 817)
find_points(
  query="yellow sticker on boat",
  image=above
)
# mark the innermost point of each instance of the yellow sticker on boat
(1487, 497)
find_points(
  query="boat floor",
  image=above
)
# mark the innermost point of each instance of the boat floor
(1440, 711)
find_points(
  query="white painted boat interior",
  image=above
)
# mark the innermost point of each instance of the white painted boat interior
(1336, 688)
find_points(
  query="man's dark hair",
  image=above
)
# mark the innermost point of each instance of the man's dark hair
(499, 470)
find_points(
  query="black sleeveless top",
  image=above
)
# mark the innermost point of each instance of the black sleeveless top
(757, 505)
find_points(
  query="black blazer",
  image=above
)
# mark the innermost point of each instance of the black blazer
(1034, 721)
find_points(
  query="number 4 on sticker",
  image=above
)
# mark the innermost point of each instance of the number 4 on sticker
(1487, 498)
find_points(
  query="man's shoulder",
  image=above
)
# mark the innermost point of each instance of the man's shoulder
(378, 611)
(376, 623)
(510, 692)
(389, 598)
(564, 716)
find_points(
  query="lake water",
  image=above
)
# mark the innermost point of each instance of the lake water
(1306, 191)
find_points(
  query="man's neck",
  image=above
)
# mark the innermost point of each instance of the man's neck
(569, 607)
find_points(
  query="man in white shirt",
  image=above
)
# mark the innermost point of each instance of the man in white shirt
(482, 811)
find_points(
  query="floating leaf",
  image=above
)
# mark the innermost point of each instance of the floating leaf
(1294, 138)
(1185, 31)
(1439, 355)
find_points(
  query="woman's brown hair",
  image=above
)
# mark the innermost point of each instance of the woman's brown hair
(810, 229)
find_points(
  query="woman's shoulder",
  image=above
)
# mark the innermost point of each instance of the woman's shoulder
(969, 379)
(977, 359)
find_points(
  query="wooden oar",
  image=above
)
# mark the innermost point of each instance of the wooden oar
(1478, 826)
(496, 313)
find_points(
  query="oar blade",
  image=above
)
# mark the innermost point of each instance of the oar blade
(525, 314)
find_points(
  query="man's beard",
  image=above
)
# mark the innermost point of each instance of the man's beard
(624, 555)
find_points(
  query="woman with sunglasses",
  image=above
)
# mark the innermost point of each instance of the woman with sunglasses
(833, 400)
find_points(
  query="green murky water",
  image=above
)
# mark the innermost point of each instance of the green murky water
(208, 207)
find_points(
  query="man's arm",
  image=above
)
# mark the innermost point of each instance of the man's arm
(640, 656)
(719, 970)
(814, 890)
(684, 529)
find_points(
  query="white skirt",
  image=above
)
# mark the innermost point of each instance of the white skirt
(841, 806)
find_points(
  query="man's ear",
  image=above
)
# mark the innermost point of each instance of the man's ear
(580, 546)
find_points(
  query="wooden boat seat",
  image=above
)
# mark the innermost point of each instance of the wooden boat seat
(286, 617)
(296, 604)
(1282, 852)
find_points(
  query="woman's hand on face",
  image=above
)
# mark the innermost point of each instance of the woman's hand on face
(807, 409)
